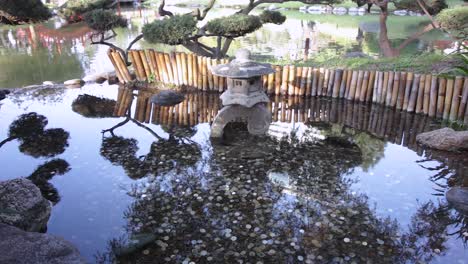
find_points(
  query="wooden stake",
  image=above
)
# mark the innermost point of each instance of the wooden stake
(433, 97)
(284, 80)
(401, 91)
(448, 98)
(384, 88)
(292, 75)
(204, 73)
(370, 86)
(331, 81)
(363, 91)
(464, 100)
(409, 82)
(456, 98)
(352, 89)
(419, 102)
(298, 81)
(309, 80)
(302, 86)
(117, 68)
(427, 93)
(414, 93)
(320, 81)
(144, 60)
(278, 75)
(337, 83)
(396, 85)
(170, 70)
(315, 77)
(441, 97)
(343, 84)
(359, 85)
(388, 96)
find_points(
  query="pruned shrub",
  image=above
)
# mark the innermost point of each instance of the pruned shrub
(172, 31)
(274, 17)
(234, 25)
(73, 10)
(454, 20)
(23, 11)
(103, 20)
(432, 6)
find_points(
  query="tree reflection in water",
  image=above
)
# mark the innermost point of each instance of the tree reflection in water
(36, 141)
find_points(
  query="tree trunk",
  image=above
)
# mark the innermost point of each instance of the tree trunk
(384, 42)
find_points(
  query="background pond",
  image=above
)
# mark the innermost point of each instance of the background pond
(50, 51)
(332, 182)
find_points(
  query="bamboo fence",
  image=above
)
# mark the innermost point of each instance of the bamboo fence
(411, 92)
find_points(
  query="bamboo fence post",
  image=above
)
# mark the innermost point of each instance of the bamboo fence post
(337, 83)
(376, 94)
(175, 68)
(189, 70)
(152, 64)
(427, 93)
(162, 67)
(157, 66)
(308, 89)
(352, 89)
(185, 71)
(194, 70)
(170, 70)
(271, 83)
(315, 77)
(394, 94)
(448, 98)
(388, 94)
(384, 88)
(365, 81)
(409, 82)
(380, 86)
(137, 65)
(441, 97)
(144, 60)
(348, 83)
(343, 84)
(132, 59)
(433, 97)
(419, 102)
(292, 75)
(209, 63)
(122, 66)
(357, 94)
(326, 78)
(180, 73)
(331, 81)
(117, 68)
(370, 86)
(464, 100)
(200, 77)
(302, 86)
(321, 76)
(414, 93)
(456, 98)
(297, 80)
(284, 80)
(204, 73)
(278, 75)
(215, 78)
(401, 91)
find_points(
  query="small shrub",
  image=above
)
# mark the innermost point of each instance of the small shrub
(172, 31)
(274, 17)
(23, 11)
(454, 19)
(103, 20)
(432, 6)
(73, 10)
(234, 25)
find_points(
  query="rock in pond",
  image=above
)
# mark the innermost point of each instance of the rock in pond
(48, 83)
(74, 82)
(167, 98)
(458, 197)
(97, 78)
(3, 94)
(20, 247)
(22, 205)
(445, 139)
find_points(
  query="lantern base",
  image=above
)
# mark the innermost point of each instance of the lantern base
(253, 98)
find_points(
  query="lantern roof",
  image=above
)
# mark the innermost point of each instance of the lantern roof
(242, 67)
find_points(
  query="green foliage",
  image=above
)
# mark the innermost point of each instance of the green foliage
(27, 125)
(23, 11)
(234, 26)
(103, 20)
(274, 17)
(172, 31)
(432, 6)
(454, 19)
(73, 10)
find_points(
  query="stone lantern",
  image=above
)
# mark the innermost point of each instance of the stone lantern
(244, 98)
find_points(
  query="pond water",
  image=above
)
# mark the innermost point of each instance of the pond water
(53, 52)
(332, 182)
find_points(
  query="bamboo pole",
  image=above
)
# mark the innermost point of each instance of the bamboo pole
(284, 80)
(209, 63)
(271, 83)
(144, 60)
(321, 76)
(180, 74)
(162, 67)
(376, 94)
(401, 90)
(303, 85)
(441, 97)
(388, 94)
(175, 68)
(384, 87)
(414, 93)
(170, 70)
(185, 71)
(200, 81)
(204, 74)
(370, 86)
(394, 94)
(331, 81)
(427, 93)
(116, 67)
(121, 66)
(326, 77)
(292, 75)
(456, 98)
(315, 77)
(298, 81)
(409, 82)
(215, 78)
(380, 86)
(419, 102)
(308, 89)
(448, 98)
(363, 91)
(278, 75)
(337, 83)
(194, 71)
(357, 94)
(138, 66)
(157, 66)
(464, 100)
(433, 97)
(348, 83)
(352, 89)
(343, 83)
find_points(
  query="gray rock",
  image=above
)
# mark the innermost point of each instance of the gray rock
(356, 54)
(48, 83)
(20, 247)
(458, 197)
(167, 98)
(3, 94)
(74, 82)
(97, 78)
(22, 205)
(445, 139)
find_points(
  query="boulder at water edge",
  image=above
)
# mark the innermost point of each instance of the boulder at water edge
(458, 197)
(444, 139)
(167, 98)
(22, 205)
(20, 247)
(74, 82)
(3, 94)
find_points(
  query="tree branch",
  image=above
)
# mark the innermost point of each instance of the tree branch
(7, 140)
(202, 15)
(134, 41)
(163, 12)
